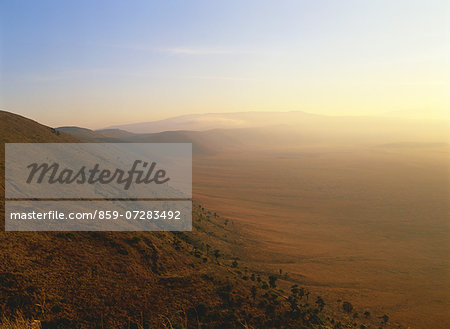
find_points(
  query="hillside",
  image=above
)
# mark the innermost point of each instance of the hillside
(18, 129)
(150, 280)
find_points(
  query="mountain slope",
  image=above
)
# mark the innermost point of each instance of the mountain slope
(18, 129)
(142, 279)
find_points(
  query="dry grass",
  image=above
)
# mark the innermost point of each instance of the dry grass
(19, 322)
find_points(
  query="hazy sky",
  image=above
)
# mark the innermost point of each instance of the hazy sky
(98, 63)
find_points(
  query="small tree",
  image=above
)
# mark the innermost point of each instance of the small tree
(301, 293)
(254, 292)
(347, 306)
(273, 281)
(320, 303)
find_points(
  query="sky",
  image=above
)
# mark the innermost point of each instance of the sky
(101, 63)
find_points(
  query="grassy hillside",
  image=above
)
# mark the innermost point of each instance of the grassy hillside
(150, 279)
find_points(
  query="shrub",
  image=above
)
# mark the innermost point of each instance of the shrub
(347, 306)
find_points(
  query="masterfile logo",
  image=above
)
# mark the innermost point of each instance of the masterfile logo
(99, 170)
(56, 175)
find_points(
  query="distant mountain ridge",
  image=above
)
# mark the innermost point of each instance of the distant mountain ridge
(203, 142)
(210, 121)
(213, 133)
(106, 135)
